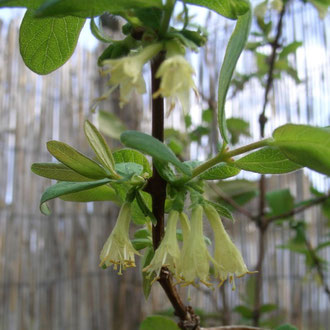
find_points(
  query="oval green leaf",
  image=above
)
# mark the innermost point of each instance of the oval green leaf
(57, 171)
(128, 169)
(158, 322)
(219, 172)
(227, 8)
(110, 124)
(102, 193)
(90, 8)
(34, 4)
(153, 147)
(132, 156)
(64, 188)
(268, 160)
(306, 145)
(75, 160)
(99, 145)
(47, 43)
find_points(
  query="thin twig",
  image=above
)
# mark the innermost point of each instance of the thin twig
(270, 77)
(318, 265)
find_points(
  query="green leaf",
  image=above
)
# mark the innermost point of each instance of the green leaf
(110, 124)
(47, 43)
(158, 322)
(207, 115)
(223, 211)
(138, 216)
(290, 48)
(57, 171)
(280, 201)
(75, 160)
(234, 49)
(227, 8)
(268, 160)
(153, 147)
(64, 188)
(102, 193)
(128, 169)
(99, 146)
(147, 279)
(141, 243)
(90, 8)
(144, 207)
(175, 145)
(164, 171)
(267, 308)
(31, 4)
(245, 311)
(98, 33)
(132, 156)
(142, 233)
(241, 191)
(322, 245)
(236, 128)
(306, 145)
(286, 326)
(322, 6)
(219, 172)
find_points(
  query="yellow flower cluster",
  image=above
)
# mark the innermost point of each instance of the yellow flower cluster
(192, 264)
(189, 265)
(175, 74)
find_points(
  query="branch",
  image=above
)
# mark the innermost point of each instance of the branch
(275, 45)
(318, 265)
(157, 188)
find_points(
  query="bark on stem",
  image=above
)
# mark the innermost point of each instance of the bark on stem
(157, 188)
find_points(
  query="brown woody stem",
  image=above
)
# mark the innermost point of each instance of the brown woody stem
(157, 188)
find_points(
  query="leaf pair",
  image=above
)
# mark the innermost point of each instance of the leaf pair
(79, 174)
(292, 147)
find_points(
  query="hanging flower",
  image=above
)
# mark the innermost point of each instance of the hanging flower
(228, 261)
(167, 254)
(118, 249)
(176, 81)
(185, 227)
(195, 257)
(126, 72)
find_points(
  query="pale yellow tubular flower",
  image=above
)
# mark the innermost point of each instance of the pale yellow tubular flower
(228, 261)
(167, 254)
(176, 81)
(195, 257)
(126, 72)
(185, 227)
(118, 249)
